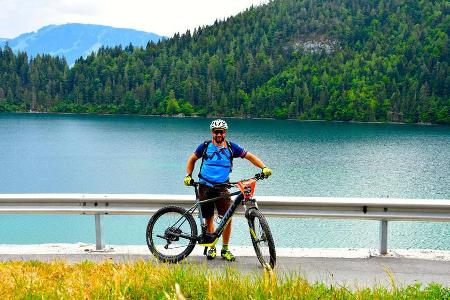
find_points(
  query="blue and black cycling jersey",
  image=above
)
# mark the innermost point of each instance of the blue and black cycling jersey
(217, 161)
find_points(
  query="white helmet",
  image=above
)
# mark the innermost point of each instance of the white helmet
(218, 124)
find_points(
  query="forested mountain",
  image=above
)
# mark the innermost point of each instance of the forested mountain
(334, 60)
(75, 40)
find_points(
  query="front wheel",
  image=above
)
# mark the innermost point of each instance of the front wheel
(262, 239)
(171, 234)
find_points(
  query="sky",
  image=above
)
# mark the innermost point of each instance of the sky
(163, 17)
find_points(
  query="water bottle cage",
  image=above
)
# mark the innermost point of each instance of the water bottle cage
(218, 219)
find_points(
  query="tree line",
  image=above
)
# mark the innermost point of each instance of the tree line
(334, 60)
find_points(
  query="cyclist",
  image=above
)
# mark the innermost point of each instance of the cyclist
(217, 162)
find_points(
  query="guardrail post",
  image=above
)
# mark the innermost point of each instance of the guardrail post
(98, 232)
(383, 236)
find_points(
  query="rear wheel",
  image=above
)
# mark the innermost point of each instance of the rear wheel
(262, 239)
(171, 234)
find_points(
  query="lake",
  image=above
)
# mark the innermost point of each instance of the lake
(54, 153)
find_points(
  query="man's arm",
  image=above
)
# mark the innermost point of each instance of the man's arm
(257, 162)
(254, 160)
(191, 164)
(189, 169)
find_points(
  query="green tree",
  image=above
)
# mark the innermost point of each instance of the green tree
(187, 108)
(172, 104)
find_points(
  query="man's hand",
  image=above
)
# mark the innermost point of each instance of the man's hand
(266, 171)
(187, 180)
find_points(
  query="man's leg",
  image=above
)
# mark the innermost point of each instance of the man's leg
(208, 214)
(226, 233)
(209, 224)
(225, 253)
(210, 229)
(207, 208)
(222, 207)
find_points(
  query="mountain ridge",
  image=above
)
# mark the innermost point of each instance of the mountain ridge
(75, 40)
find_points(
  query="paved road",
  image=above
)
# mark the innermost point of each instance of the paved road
(351, 272)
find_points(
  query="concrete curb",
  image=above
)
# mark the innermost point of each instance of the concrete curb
(81, 248)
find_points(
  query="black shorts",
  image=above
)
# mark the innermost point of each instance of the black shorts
(222, 205)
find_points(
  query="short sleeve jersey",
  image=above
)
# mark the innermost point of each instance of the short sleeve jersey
(216, 165)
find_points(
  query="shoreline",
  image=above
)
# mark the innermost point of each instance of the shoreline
(232, 117)
(64, 249)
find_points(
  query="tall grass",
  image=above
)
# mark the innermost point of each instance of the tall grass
(150, 280)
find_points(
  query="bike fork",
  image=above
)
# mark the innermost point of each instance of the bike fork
(247, 216)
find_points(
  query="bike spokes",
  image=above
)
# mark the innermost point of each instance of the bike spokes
(170, 237)
(262, 239)
(171, 234)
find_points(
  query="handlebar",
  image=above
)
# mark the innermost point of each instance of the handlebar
(258, 176)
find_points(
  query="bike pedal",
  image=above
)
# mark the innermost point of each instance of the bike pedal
(212, 253)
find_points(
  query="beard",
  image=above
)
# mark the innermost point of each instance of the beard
(218, 139)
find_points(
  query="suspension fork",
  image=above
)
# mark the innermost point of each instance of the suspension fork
(253, 205)
(247, 215)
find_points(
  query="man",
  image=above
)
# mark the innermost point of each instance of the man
(217, 158)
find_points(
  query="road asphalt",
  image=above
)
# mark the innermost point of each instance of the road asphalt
(339, 267)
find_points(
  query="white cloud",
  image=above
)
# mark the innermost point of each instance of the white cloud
(164, 17)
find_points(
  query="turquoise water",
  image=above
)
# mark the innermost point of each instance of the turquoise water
(42, 153)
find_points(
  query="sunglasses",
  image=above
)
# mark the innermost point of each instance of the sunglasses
(219, 132)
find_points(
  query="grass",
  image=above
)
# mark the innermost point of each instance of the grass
(151, 280)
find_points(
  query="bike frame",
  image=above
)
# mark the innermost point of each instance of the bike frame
(210, 239)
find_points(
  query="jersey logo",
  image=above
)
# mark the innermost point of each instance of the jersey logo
(218, 154)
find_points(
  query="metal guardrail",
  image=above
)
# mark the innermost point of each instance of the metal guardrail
(382, 209)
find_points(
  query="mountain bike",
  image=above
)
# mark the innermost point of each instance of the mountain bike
(172, 230)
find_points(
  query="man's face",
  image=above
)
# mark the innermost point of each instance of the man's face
(219, 135)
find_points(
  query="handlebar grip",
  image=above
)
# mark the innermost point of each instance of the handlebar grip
(260, 176)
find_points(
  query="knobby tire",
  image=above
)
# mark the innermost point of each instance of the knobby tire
(190, 230)
(263, 244)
